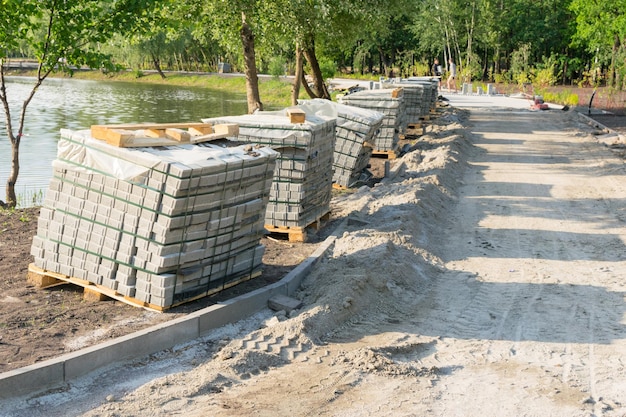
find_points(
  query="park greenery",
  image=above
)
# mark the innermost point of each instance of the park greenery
(544, 43)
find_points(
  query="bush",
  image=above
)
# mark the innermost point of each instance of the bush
(328, 67)
(546, 73)
(276, 67)
(561, 97)
(502, 78)
(544, 77)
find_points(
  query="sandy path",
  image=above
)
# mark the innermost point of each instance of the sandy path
(531, 308)
(486, 281)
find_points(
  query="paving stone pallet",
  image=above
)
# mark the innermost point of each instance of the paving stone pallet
(160, 225)
(302, 183)
(389, 102)
(420, 95)
(354, 137)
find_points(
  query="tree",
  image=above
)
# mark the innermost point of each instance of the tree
(237, 27)
(62, 35)
(601, 27)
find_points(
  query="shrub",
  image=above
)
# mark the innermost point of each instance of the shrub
(276, 67)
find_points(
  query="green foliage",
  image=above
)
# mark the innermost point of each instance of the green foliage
(276, 67)
(544, 77)
(503, 77)
(562, 97)
(30, 198)
(421, 69)
(473, 71)
(546, 73)
(328, 67)
(60, 35)
(591, 78)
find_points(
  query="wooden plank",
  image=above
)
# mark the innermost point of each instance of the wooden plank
(143, 126)
(298, 234)
(89, 287)
(397, 92)
(230, 129)
(95, 292)
(384, 154)
(177, 134)
(294, 234)
(93, 295)
(117, 137)
(199, 131)
(154, 133)
(162, 134)
(296, 115)
(42, 281)
(340, 187)
(222, 131)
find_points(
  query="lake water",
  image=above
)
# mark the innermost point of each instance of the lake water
(78, 104)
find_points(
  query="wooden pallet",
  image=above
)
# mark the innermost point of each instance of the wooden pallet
(295, 233)
(42, 278)
(163, 134)
(385, 154)
(340, 187)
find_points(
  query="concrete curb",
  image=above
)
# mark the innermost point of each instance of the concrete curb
(57, 372)
(610, 138)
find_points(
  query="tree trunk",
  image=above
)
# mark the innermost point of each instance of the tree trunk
(295, 91)
(157, 65)
(384, 63)
(318, 79)
(11, 197)
(14, 173)
(249, 59)
(307, 87)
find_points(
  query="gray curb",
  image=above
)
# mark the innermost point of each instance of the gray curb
(611, 135)
(57, 372)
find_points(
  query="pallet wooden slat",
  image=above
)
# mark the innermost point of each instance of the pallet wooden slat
(340, 187)
(161, 134)
(385, 154)
(297, 234)
(93, 292)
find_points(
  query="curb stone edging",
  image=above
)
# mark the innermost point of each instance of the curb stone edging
(610, 132)
(57, 372)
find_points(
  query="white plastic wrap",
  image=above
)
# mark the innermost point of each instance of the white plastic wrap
(350, 117)
(74, 147)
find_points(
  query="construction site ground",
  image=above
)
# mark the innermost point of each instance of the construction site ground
(485, 279)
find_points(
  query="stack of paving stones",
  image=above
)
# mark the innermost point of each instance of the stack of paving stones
(354, 136)
(431, 91)
(161, 225)
(389, 102)
(416, 98)
(302, 186)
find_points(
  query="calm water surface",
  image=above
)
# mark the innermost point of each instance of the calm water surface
(78, 104)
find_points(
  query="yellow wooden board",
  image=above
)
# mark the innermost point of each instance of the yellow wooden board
(161, 134)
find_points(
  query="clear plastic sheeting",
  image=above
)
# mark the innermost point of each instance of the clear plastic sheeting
(389, 103)
(354, 136)
(85, 153)
(429, 87)
(302, 186)
(159, 225)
